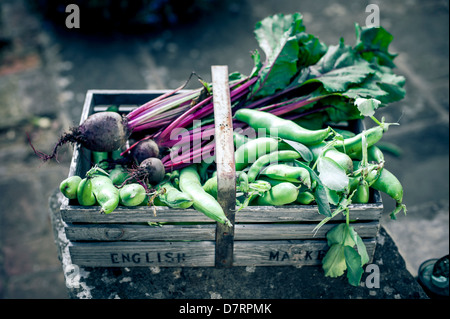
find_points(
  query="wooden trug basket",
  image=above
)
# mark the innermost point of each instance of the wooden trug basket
(260, 236)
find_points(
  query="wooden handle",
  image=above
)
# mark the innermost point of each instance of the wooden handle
(226, 173)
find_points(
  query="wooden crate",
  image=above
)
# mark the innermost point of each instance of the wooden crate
(262, 236)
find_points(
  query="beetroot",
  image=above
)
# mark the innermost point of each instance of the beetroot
(145, 149)
(100, 132)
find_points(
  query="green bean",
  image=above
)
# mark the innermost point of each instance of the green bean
(173, 197)
(68, 187)
(374, 154)
(85, 196)
(361, 195)
(305, 198)
(354, 144)
(106, 193)
(253, 149)
(281, 194)
(203, 202)
(288, 173)
(341, 159)
(389, 184)
(239, 139)
(132, 194)
(279, 127)
(273, 157)
(118, 175)
(210, 186)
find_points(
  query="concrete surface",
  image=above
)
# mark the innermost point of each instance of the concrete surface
(46, 70)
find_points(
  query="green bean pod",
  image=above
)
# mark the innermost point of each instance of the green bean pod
(173, 197)
(68, 187)
(106, 193)
(279, 127)
(203, 202)
(354, 144)
(305, 198)
(374, 154)
(85, 196)
(273, 157)
(387, 183)
(281, 194)
(252, 150)
(118, 175)
(361, 195)
(210, 186)
(288, 173)
(239, 139)
(132, 195)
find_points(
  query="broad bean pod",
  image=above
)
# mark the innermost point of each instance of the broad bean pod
(281, 194)
(68, 187)
(277, 126)
(288, 173)
(203, 202)
(106, 193)
(273, 157)
(253, 149)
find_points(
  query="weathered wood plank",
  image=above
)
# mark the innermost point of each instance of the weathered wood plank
(252, 214)
(297, 231)
(224, 157)
(118, 232)
(284, 253)
(201, 254)
(125, 232)
(135, 254)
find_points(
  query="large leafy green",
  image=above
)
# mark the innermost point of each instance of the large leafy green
(342, 255)
(287, 48)
(332, 76)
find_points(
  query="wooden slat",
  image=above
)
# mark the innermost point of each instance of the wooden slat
(118, 232)
(134, 254)
(224, 157)
(252, 214)
(297, 231)
(285, 253)
(201, 254)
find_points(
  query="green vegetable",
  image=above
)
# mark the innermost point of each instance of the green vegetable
(106, 193)
(354, 144)
(68, 187)
(361, 195)
(281, 194)
(118, 175)
(85, 194)
(342, 255)
(132, 194)
(173, 197)
(98, 157)
(203, 202)
(279, 127)
(305, 198)
(252, 150)
(288, 173)
(210, 186)
(389, 184)
(273, 157)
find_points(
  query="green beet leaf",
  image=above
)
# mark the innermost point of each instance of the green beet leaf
(333, 263)
(354, 267)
